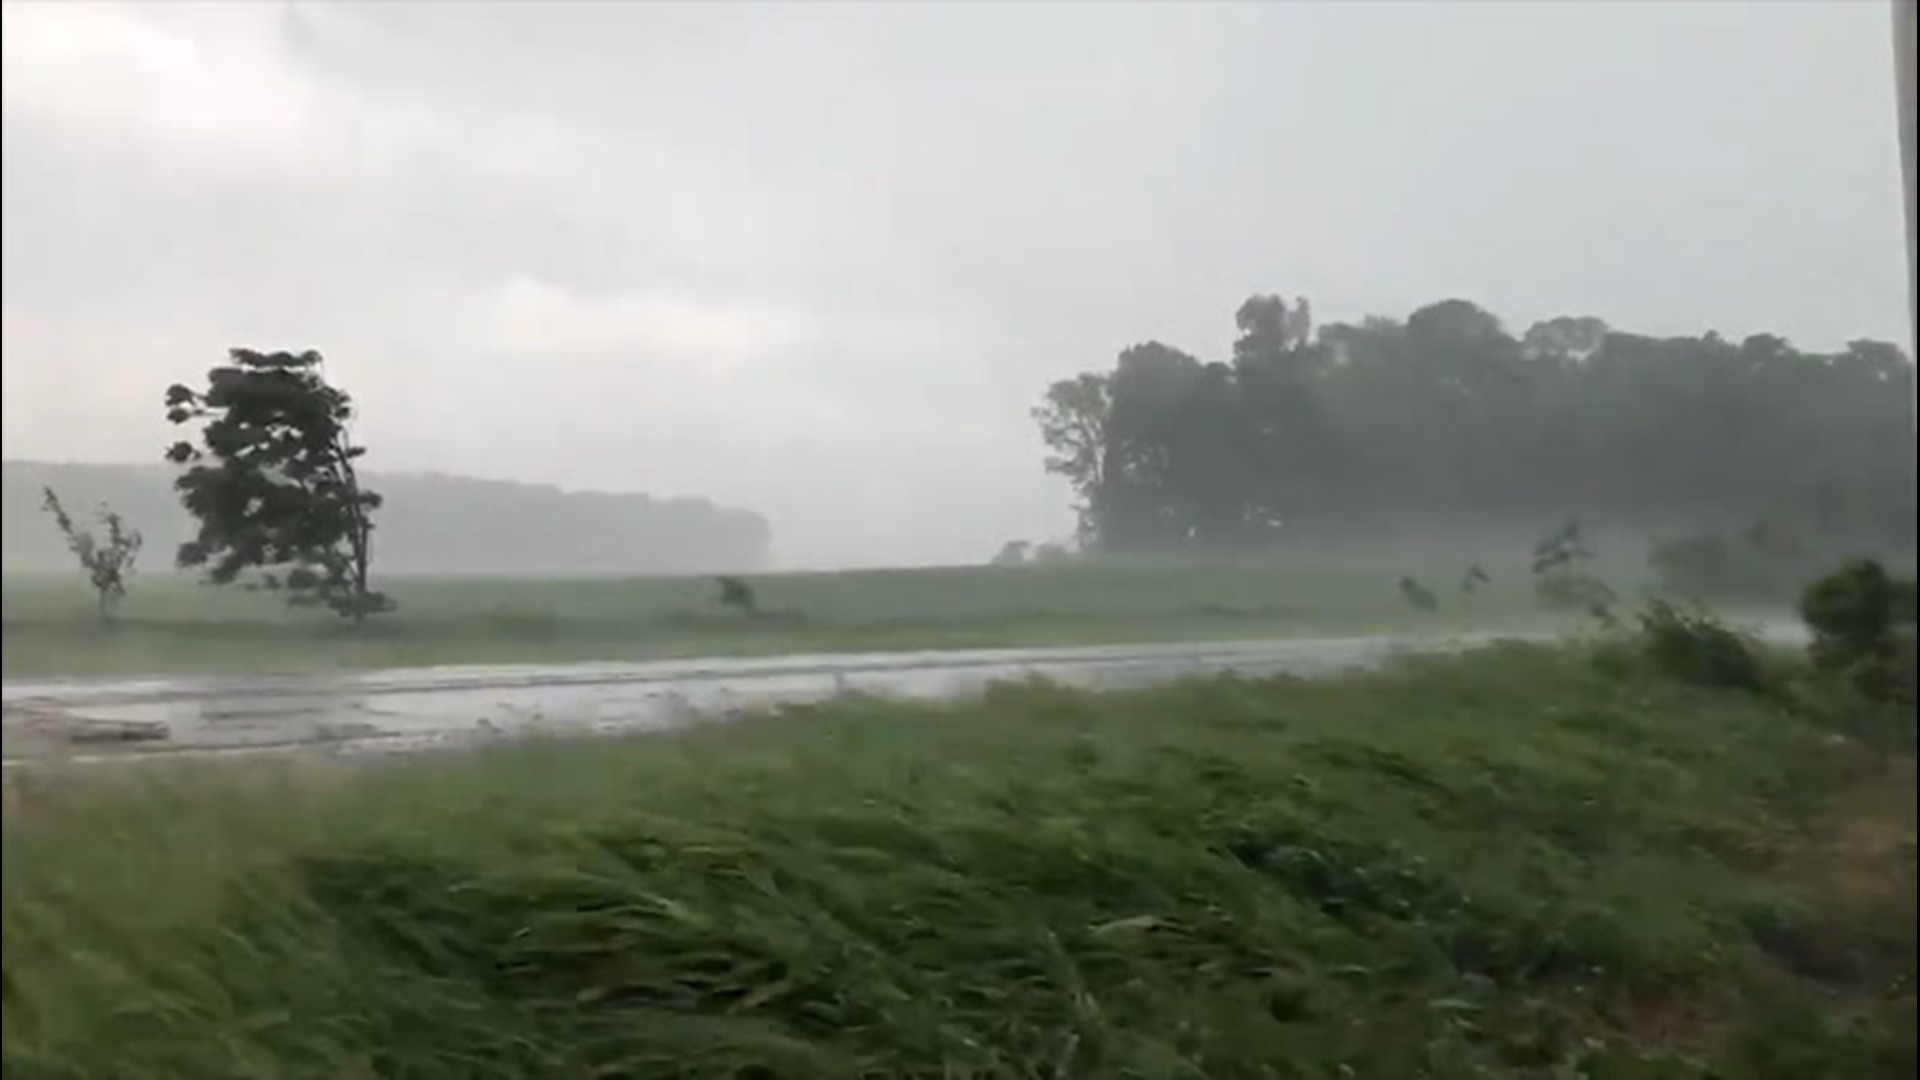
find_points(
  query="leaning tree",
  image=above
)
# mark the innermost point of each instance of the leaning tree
(272, 482)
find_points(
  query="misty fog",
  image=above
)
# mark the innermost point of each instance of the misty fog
(819, 262)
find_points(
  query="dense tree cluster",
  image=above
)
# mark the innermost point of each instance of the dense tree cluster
(1447, 416)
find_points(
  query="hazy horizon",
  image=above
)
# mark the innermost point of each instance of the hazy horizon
(819, 261)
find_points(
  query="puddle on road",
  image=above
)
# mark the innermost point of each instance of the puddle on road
(420, 708)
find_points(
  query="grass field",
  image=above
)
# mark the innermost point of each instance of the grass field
(171, 624)
(1521, 863)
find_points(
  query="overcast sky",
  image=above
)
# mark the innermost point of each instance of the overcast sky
(820, 260)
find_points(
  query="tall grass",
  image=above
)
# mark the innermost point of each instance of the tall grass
(1518, 863)
(173, 625)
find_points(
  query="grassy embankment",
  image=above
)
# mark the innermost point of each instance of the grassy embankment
(1525, 862)
(171, 625)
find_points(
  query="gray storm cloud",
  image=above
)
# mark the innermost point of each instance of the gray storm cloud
(820, 260)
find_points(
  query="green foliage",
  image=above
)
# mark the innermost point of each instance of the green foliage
(107, 562)
(1446, 417)
(1502, 866)
(273, 484)
(1418, 596)
(1026, 553)
(1012, 553)
(1850, 611)
(1691, 645)
(737, 595)
(1854, 613)
(1073, 423)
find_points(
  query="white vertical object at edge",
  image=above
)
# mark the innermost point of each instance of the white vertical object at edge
(1903, 47)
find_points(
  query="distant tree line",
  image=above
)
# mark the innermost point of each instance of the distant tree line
(1358, 428)
(430, 523)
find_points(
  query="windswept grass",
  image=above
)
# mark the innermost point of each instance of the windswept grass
(1518, 863)
(172, 625)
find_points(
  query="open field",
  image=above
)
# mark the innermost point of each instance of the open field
(1524, 862)
(171, 624)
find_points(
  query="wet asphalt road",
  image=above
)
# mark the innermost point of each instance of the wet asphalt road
(83, 721)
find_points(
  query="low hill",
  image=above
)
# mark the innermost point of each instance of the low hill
(431, 523)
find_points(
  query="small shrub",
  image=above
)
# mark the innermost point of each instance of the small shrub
(1011, 553)
(1418, 595)
(1562, 580)
(1473, 578)
(1853, 613)
(1850, 612)
(1691, 645)
(107, 561)
(1872, 704)
(737, 595)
